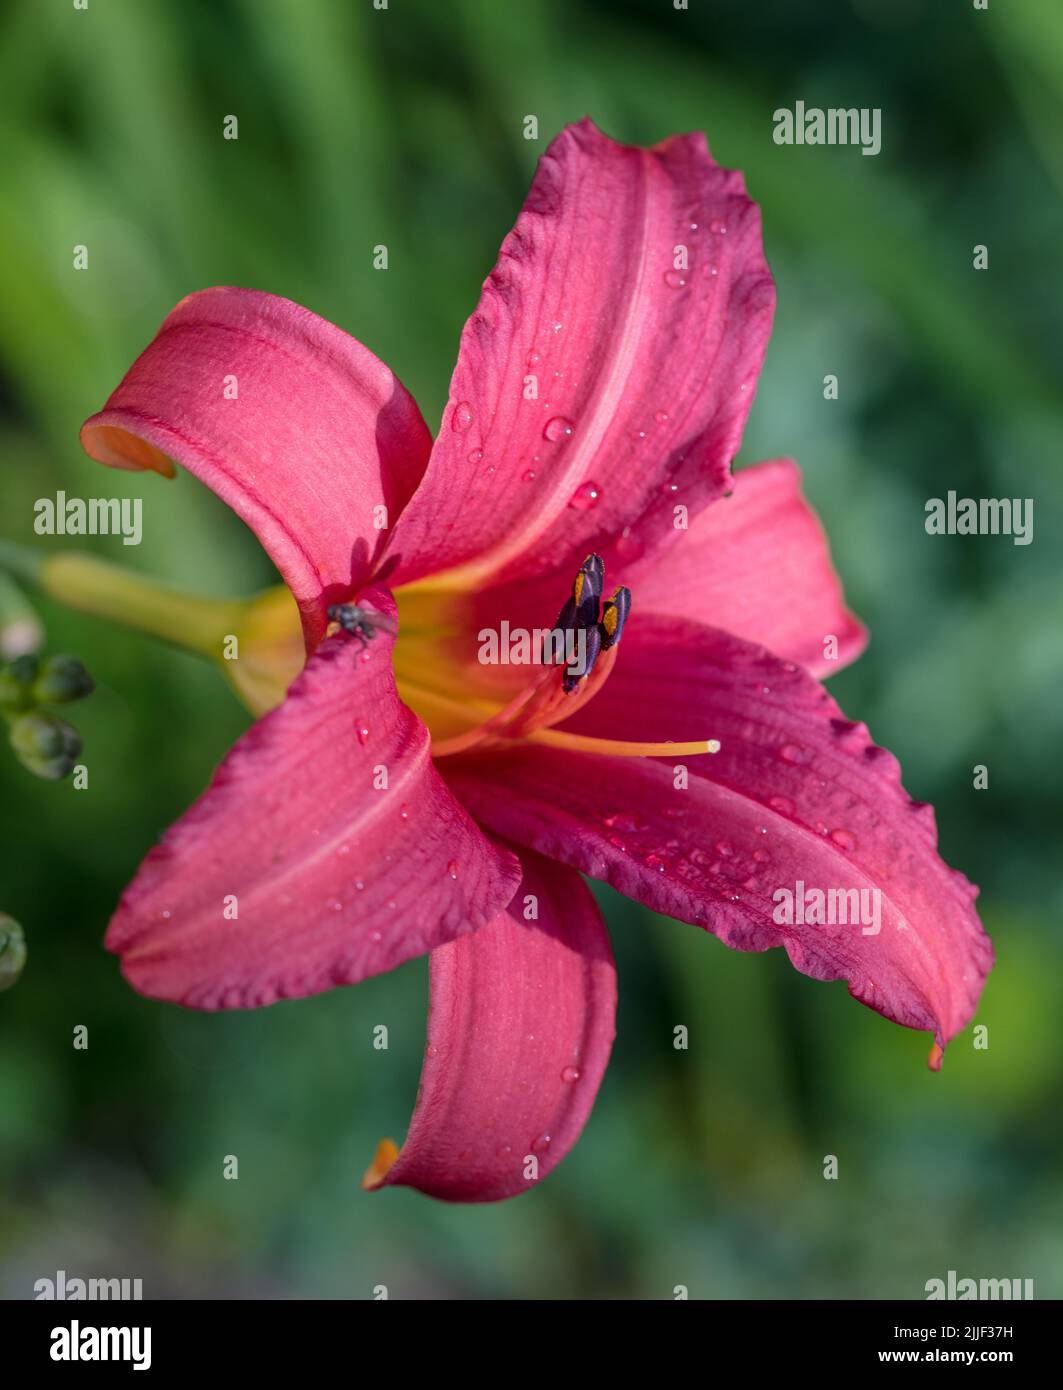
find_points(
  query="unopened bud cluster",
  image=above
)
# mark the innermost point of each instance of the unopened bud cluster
(44, 744)
(12, 951)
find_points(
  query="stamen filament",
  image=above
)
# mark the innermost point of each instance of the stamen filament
(621, 748)
(554, 738)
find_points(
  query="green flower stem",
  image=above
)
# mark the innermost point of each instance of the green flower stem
(109, 591)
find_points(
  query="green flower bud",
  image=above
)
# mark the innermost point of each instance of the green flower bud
(45, 745)
(12, 951)
(62, 679)
(16, 684)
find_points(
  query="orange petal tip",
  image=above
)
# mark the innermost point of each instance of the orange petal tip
(387, 1151)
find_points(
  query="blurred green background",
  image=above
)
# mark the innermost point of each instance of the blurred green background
(405, 127)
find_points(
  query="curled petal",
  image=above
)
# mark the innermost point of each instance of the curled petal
(326, 849)
(520, 1026)
(798, 801)
(757, 564)
(294, 424)
(594, 375)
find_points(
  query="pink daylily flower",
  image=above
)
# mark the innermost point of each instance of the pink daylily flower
(405, 797)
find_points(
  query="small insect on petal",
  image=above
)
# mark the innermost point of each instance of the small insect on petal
(361, 622)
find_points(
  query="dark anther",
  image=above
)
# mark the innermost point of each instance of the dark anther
(597, 626)
(591, 641)
(614, 616)
(588, 588)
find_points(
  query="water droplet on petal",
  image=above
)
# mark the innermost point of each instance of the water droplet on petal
(586, 496)
(661, 416)
(359, 884)
(362, 731)
(712, 268)
(528, 476)
(541, 1143)
(718, 226)
(654, 861)
(782, 804)
(376, 936)
(404, 811)
(570, 1074)
(793, 754)
(476, 456)
(504, 1150)
(558, 429)
(452, 868)
(628, 545)
(461, 418)
(722, 847)
(335, 905)
(429, 1051)
(533, 359)
(675, 279)
(844, 839)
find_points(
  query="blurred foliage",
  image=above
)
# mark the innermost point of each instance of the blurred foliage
(404, 126)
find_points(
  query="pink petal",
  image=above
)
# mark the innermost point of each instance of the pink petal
(757, 564)
(320, 433)
(520, 1026)
(797, 792)
(331, 878)
(654, 381)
